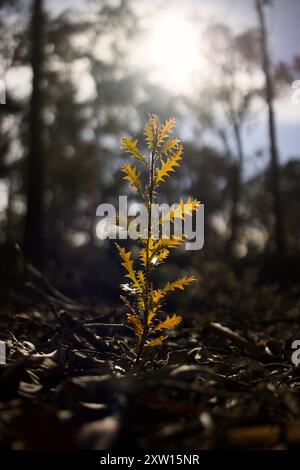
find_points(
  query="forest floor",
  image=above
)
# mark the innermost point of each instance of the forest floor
(224, 379)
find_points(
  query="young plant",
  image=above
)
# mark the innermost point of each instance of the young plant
(144, 302)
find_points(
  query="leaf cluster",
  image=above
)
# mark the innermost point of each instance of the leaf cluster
(144, 302)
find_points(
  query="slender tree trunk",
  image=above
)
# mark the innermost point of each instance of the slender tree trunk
(236, 189)
(9, 213)
(235, 184)
(274, 167)
(34, 231)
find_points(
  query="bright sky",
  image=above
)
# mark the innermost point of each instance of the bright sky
(171, 22)
(171, 50)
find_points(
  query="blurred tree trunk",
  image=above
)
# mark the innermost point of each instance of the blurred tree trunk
(236, 189)
(275, 170)
(34, 230)
(9, 213)
(235, 181)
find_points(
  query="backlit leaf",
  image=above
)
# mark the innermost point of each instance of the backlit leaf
(169, 322)
(171, 144)
(180, 211)
(151, 130)
(128, 265)
(141, 278)
(155, 304)
(172, 242)
(158, 249)
(178, 284)
(133, 176)
(156, 341)
(131, 146)
(160, 257)
(165, 130)
(136, 323)
(168, 166)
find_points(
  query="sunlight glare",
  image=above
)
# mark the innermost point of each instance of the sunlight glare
(172, 51)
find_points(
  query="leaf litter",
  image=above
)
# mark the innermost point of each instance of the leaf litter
(71, 380)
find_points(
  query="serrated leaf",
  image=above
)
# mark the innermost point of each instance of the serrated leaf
(157, 294)
(136, 323)
(172, 242)
(151, 130)
(178, 284)
(168, 166)
(160, 257)
(189, 206)
(131, 146)
(141, 278)
(132, 175)
(155, 304)
(143, 252)
(158, 250)
(128, 265)
(170, 145)
(180, 211)
(143, 256)
(169, 322)
(151, 315)
(165, 130)
(150, 246)
(141, 303)
(156, 341)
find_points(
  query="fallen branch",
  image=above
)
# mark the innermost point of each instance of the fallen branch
(77, 327)
(251, 348)
(48, 291)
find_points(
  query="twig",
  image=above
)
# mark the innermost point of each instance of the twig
(251, 348)
(115, 325)
(53, 294)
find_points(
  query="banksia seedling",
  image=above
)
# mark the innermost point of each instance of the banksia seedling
(144, 302)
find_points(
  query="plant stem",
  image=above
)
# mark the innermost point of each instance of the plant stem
(147, 269)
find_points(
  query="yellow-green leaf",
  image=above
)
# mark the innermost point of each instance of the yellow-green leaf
(155, 304)
(169, 322)
(179, 211)
(160, 256)
(128, 265)
(178, 284)
(136, 323)
(151, 315)
(141, 278)
(172, 242)
(131, 146)
(133, 176)
(171, 144)
(158, 250)
(151, 130)
(168, 166)
(189, 206)
(165, 130)
(156, 341)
